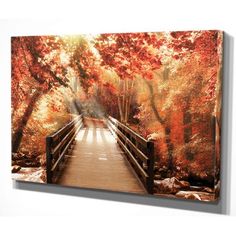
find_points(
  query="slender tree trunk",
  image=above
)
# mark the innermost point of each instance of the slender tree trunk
(129, 98)
(120, 108)
(17, 137)
(123, 99)
(120, 101)
(167, 129)
(165, 73)
(127, 94)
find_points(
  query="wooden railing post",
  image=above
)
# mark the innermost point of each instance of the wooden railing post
(150, 167)
(49, 159)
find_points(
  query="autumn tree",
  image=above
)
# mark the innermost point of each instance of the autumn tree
(201, 49)
(35, 71)
(128, 55)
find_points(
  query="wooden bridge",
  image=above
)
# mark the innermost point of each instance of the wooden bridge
(101, 154)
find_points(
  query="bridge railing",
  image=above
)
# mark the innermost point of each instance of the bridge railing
(139, 151)
(57, 145)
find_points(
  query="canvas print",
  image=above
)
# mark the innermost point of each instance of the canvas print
(126, 112)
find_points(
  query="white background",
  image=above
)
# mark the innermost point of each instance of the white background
(78, 215)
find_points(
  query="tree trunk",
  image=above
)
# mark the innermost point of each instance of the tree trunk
(187, 119)
(120, 108)
(120, 101)
(123, 99)
(129, 99)
(167, 129)
(17, 137)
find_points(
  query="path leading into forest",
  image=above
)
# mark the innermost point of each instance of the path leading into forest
(98, 162)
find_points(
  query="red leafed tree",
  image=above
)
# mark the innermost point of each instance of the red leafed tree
(202, 54)
(86, 66)
(83, 60)
(190, 81)
(128, 55)
(35, 71)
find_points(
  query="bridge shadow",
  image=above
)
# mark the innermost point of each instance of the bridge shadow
(221, 206)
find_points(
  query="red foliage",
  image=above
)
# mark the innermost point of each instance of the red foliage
(129, 54)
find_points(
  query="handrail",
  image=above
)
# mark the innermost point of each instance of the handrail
(139, 151)
(57, 145)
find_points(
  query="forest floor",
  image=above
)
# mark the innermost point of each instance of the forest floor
(174, 188)
(30, 174)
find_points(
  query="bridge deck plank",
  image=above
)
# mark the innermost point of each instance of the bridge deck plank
(98, 162)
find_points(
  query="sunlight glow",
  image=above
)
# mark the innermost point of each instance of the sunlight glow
(90, 138)
(80, 135)
(65, 59)
(99, 135)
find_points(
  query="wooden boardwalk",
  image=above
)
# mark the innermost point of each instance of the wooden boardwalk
(98, 162)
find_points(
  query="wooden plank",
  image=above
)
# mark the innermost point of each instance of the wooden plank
(70, 156)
